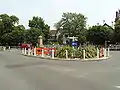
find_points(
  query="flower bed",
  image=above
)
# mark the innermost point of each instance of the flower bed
(90, 52)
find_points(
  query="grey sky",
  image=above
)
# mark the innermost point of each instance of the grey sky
(51, 10)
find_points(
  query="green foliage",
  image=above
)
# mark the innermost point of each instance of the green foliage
(116, 37)
(99, 34)
(40, 26)
(91, 52)
(78, 53)
(31, 35)
(53, 43)
(72, 24)
(61, 52)
(10, 32)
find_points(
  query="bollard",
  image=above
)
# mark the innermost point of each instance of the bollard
(104, 52)
(9, 48)
(25, 51)
(66, 54)
(83, 54)
(4, 48)
(31, 52)
(35, 51)
(42, 52)
(22, 50)
(108, 53)
(97, 53)
(52, 53)
(28, 51)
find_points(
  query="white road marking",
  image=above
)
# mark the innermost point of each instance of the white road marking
(117, 86)
(81, 76)
(118, 68)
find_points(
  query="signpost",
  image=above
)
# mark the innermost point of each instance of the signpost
(74, 39)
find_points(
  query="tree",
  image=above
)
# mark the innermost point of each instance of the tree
(99, 34)
(117, 31)
(72, 24)
(10, 32)
(15, 37)
(18, 34)
(31, 35)
(7, 23)
(39, 24)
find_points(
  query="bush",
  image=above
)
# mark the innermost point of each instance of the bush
(61, 52)
(90, 51)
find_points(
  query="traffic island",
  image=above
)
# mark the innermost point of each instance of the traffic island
(67, 53)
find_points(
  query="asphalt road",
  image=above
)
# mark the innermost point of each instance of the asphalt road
(18, 72)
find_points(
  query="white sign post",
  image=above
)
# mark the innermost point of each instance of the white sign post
(4, 48)
(53, 53)
(35, 51)
(25, 51)
(22, 50)
(108, 53)
(84, 54)
(97, 53)
(105, 52)
(66, 54)
(29, 51)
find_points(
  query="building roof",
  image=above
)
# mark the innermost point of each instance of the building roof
(53, 32)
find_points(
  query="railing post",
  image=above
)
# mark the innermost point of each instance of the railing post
(66, 54)
(97, 53)
(9, 48)
(104, 52)
(42, 52)
(25, 51)
(84, 54)
(108, 53)
(4, 48)
(35, 51)
(53, 53)
(22, 50)
(29, 51)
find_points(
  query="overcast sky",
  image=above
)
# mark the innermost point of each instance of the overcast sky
(51, 10)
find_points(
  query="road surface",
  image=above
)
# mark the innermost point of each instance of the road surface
(19, 72)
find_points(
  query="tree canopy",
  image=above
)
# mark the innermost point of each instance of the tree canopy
(37, 28)
(72, 24)
(10, 32)
(99, 34)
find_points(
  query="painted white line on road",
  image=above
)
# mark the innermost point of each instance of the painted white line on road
(118, 68)
(117, 86)
(81, 76)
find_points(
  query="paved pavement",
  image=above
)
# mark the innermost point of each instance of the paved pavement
(19, 72)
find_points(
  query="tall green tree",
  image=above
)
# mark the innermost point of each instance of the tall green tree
(32, 34)
(7, 23)
(116, 37)
(14, 37)
(40, 26)
(73, 24)
(99, 34)
(10, 32)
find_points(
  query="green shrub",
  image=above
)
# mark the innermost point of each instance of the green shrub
(90, 51)
(61, 52)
